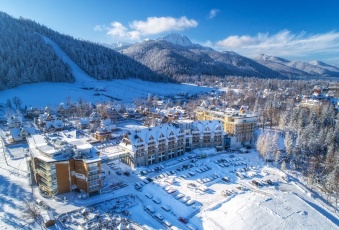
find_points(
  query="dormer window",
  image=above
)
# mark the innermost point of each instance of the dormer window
(140, 140)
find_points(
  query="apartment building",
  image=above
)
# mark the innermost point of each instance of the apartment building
(62, 163)
(146, 146)
(239, 124)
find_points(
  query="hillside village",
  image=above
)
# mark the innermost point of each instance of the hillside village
(106, 154)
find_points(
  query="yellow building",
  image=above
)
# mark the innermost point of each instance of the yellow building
(239, 124)
(61, 163)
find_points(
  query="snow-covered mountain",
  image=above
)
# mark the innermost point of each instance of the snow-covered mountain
(118, 45)
(177, 39)
(182, 40)
(279, 64)
(177, 56)
(297, 68)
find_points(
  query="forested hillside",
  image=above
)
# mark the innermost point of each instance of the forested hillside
(26, 58)
(98, 61)
(179, 61)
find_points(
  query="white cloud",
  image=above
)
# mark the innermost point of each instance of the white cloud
(116, 29)
(152, 26)
(213, 13)
(100, 28)
(155, 25)
(283, 43)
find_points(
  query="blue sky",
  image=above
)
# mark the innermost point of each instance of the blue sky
(298, 30)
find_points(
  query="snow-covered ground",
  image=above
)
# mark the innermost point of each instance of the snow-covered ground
(52, 94)
(237, 204)
(284, 205)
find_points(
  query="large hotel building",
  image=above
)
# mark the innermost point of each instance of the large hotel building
(146, 146)
(61, 163)
(239, 124)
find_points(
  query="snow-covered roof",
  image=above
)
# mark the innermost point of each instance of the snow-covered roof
(165, 131)
(61, 146)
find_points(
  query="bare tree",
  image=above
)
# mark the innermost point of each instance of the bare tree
(17, 102)
(32, 212)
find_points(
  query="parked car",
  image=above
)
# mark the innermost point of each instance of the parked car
(150, 208)
(167, 223)
(166, 208)
(148, 195)
(226, 179)
(156, 200)
(190, 202)
(158, 216)
(179, 196)
(256, 183)
(182, 220)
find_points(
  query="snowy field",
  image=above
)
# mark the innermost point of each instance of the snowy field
(181, 189)
(52, 94)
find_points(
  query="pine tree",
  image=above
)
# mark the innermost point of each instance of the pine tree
(283, 166)
(288, 141)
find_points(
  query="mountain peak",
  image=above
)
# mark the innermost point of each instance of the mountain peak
(177, 39)
(265, 57)
(315, 62)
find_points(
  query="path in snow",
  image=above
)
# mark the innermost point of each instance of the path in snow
(78, 73)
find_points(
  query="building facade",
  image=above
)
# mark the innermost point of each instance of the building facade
(240, 125)
(146, 146)
(62, 163)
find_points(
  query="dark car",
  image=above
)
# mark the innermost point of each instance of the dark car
(182, 220)
(269, 182)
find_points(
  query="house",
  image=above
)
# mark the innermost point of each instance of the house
(19, 134)
(50, 122)
(54, 126)
(84, 123)
(104, 132)
(94, 117)
(66, 109)
(14, 121)
(113, 113)
(33, 112)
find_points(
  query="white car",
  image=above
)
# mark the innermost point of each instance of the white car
(158, 216)
(156, 200)
(148, 195)
(180, 195)
(190, 202)
(167, 223)
(185, 199)
(166, 208)
(150, 208)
